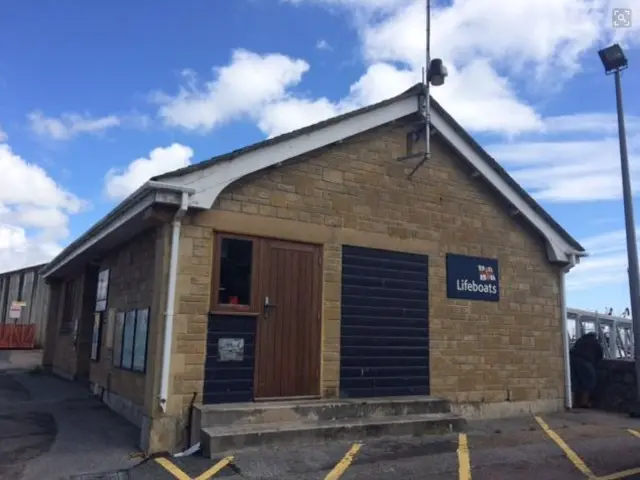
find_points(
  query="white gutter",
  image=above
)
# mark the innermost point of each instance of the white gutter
(170, 186)
(171, 299)
(568, 394)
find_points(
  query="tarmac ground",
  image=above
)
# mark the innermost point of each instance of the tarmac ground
(54, 429)
(570, 445)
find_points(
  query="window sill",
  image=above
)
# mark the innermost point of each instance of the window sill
(130, 370)
(235, 312)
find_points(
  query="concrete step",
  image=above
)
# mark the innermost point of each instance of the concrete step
(217, 440)
(312, 410)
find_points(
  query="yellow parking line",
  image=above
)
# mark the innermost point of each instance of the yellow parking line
(180, 475)
(343, 464)
(633, 432)
(571, 455)
(207, 474)
(464, 462)
(172, 469)
(619, 475)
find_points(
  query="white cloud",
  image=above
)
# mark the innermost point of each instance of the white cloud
(486, 44)
(34, 212)
(606, 265)
(23, 183)
(322, 44)
(598, 123)
(239, 89)
(572, 170)
(3, 135)
(293, 112)
(69, 125)
(289, 114)
(489, 47)
(121, 182)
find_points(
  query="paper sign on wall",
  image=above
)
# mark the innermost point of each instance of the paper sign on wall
(15, 310)
(230, 349)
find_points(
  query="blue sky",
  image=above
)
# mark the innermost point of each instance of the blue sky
(95, 97)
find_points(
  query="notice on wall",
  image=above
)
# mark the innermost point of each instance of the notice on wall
(102, 291)
(15, 310)
(473, 278)
(230, 349)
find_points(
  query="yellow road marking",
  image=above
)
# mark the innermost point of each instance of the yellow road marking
(633, 432)
(172, 469)
(180, 475)
(571, 455)
(619, 475)
(464, 462)
(343, 464)
(207, 474)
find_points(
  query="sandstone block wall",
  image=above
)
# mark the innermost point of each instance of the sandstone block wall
(357, 193)
(131, 283)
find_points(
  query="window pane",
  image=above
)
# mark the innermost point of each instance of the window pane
(235, 272)
(96, 336)
(117, 339)
(140, 347)
(127, 339)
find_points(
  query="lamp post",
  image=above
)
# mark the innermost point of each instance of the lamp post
(614, 62)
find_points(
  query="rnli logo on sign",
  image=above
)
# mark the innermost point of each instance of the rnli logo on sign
(486, 274)
(472, 278)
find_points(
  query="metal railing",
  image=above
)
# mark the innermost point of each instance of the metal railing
(615, 333)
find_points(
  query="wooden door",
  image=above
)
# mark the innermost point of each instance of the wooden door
(288, 332)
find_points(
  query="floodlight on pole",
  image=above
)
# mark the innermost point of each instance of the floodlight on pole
(614, 61)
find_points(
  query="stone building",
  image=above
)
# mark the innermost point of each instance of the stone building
(310, 266)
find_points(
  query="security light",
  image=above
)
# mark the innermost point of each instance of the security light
(613, 58)
(437, 72)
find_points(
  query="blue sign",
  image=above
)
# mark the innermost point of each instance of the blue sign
(472, 278)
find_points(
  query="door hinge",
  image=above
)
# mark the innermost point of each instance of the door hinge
(319, 260)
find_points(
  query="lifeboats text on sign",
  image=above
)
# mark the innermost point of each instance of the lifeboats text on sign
(473, 278)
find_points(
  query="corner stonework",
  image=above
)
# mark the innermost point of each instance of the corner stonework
(332, 272)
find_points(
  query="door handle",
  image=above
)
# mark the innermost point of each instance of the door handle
(267, 304)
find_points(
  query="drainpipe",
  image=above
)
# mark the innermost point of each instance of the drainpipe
(171, 299)
(568, 397)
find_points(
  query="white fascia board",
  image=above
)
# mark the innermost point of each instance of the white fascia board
(136, 208)
(558, 249)
(210, 182)
(145, 196)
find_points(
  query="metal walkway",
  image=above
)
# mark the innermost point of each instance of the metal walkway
(615, 333)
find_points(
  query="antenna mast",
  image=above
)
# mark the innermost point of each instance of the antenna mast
(427, 100)
(426, 78)
(433, 73)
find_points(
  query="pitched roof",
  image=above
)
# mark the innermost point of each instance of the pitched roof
(415, 90)
(204, 181)
(225, 157)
